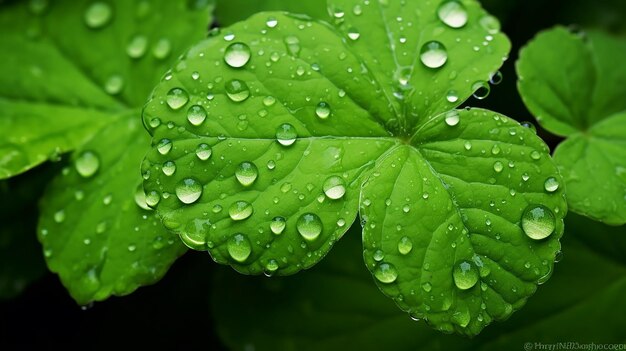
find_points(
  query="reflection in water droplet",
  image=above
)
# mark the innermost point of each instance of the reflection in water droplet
(164, 146)
(161, 49)
(538, 222)
(169, 168)
(481, 90)
(496, 78)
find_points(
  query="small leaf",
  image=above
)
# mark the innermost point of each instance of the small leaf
(97, 231)
(578, 93)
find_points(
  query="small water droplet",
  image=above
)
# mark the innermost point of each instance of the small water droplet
(386, 273)
(196, 115)
(551, 185)
(188, 190)
(452, 96)
(114, 85)
(240, 210)
(164, 146)
(237, 55)
(59, 216)
(465, 274)
(98, 15)
(498, 166)
(286, 134)
(490, 24)
(433, 54)
(293, 45)
(405, 245)
(452, 13)
(353, 34)
(237, 90)
(535, 155)
(153, 198)
(246, 173)
(322, 110)
(334, 187)
(496, 78)
(452, 118)
(538, 222)
(161, 49)
(168, 168)
(137, 46)
(278, 224)
(203, 152)
(177, 98)
(269, 101)
(309, 226)
(379, 255)
(271, 22)
(239, 247)
(271, 267)
(529, 125)
(87, 163)
(427, 286)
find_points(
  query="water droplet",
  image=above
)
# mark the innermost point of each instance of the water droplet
(140, 198)
(239, 247)
(551, 185)
(379, 255)
(203, 152)
(246, 173)
(529, 125)
(271, 267)
(433, 54)
(481, 90)
(496, 78)
(196, 115)
(177, 98)
(237, 90)
(386, 273)
(59, 216)
(498, 166)
(465, 274)
(286, 134)
(535, 155)
(452, 96)
(278, 224)
(114, 85)
(153, 198)
(188, 190)
(98, 15)
(334, 187)
(293, 45)
(490, 24)
(452, 118)
(137, 46)
(405, 245)
(87, 163)
(427, 286)
(237, 55)
(467, 145)
(169, 168)
(164, 146)
(538, 222)
(322, 110)
(452, 13)
(269, 101)
(353, 33)
(271, 22)
(309, 226)
(240, 210)
(161, 49)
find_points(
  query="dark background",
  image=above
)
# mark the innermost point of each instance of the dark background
(176, 312)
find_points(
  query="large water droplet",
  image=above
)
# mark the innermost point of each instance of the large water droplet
(452, 13)
(203, 152)
(322, 110)
(98, 15)
(405, 245)
(239, 247)
(353, 33)
(293, 45)
(465, 274)
(278, 224)
(188, 190)
(309, 226)
(386, 273)
(334, 187)
(137, 46)
(237, 55)
(452, 96)
(271, 22)
(169, 168)
(153, 198)
(538, 222)
(240, 210)
(87, 163)
(237, 90)
(433, 54)
(286, 134)
(196, 115)
(481, 90)
(246, 173)
(164, 146)
(452, 118)
(551, 185)
(177, 98)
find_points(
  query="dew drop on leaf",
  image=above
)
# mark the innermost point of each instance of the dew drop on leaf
(98, 15)
(169, 168)
(271, 22)
(379, 255)
(203, 152)
(237, 55)
(246, 173)
(405, 245)
(164, 146)
(293, 45)
(114, 85)
(353, 34)
(177, 98)
(59, 216)
(433, 54)
(309, 226)
(529, 125)
(452, 13)
(188, 190)
(153, 198)
(87, 163)
(140, 198)
(334, 187)
(137, 46)
(538, 222)
(498, 166)
(269, 101)
(551, 185)
(481, 90)
(240, 210)
(196, 115)
(490, 24)
(322, 110)
(286, 134)
(386, 273)
(452, 118)
(239, 247)
(452, 96)
(237, 90)
(278, 224)
(161, 49)
(496, 78)
(271, 267)
(465, 274)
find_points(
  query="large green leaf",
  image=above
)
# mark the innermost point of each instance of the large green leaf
(578, 92)
(67, 66)
(227, 12)
(297, 115)
(75, 78)
(338, 309)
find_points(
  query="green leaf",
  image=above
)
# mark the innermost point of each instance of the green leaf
(98, 233)
(69, 65)
(228, 12)
(577, 93)
(75, 79)
(288, 105)
(338, 309)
